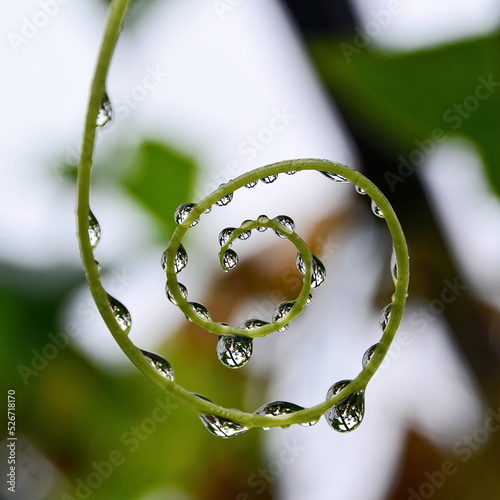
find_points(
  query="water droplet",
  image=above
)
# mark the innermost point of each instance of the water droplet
(385, 316)
(245, 235)
(200, 310)
(225, 235)
(367, 356)
(94, 230)
(229, 260)
(318, 274)
(360, 190)
(269, 179)
(170, 297)
(286, 221)
(280, 311)
(225, 199)
(105, 113)
(394, 267)
(376, 210)
(181, 259)
(262, 219)
(222, 427)
(251, 184)
(309, 300)
(335, 177)
(291, 172)
(183, 211)
(98, 265)
(253, 323)
(348, 413)
(234, 351)
(121, 314)
(207, 210)
(277, 408)
(160, 364)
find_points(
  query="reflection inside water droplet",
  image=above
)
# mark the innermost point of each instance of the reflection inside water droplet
(385, 316)
(367, 356)
(360, 190)
(225, 235)
(121, 314)
(200, 310)
(376, 210)
(269, 179)
(280, 311)
(170, 297)
(181, 259)
(222, 427)
(182, 211)
(394, 266)
(318, 274)
(277, 408)
(234, 351)
(335, 177)
(348, 413)
(229, 260)
(159, 363)
(94, 230)
(105, 113)
(225, 199)
(286, 221)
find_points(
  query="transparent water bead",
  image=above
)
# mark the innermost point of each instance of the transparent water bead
(335, 177)
(318, 274)
(245, 234)
(225, 199)
(253, 323)
(222, 427)
(251, 184)
(170, 297)
(181, 259)
(291, 172)
(360, 190)
(286, 221)
(367, 356)
(309, 300)
(121, 314)
(98, 265)
(262, 219)
(105, 113)
(225, 235)
(234, 351)
(348, 413)
(229, 260)
(385, 316)
(269, 179)
(182, 211)
(280, 311)
(94, 230)
(376, 210)
(160, 364)
(277, 408)
(200, 310)
(394, 267)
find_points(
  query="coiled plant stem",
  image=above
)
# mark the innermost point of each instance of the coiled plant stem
(199, 405)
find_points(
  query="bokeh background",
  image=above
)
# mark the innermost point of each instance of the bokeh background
(406, 91)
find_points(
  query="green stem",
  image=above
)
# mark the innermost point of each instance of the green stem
(196, 404)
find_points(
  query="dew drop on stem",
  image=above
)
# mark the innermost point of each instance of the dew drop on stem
(367, 356)
(376, 210)
(385, 316)
(348, 413)
(234, 351)
(276, 409)
(182, 211)
(94, 230)
(335, 177)
(160, 364)
(182, 289)
(222, 427)
(286, 221)
(318, 274)
(269, 179)
(229, 260)
(105, 113)
(121, 314)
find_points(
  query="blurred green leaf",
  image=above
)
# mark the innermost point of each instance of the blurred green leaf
(161, 178)
(403, 99)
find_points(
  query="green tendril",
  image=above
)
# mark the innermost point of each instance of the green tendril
(105, 306)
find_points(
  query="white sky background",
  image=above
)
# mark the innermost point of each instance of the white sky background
(224, 80)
